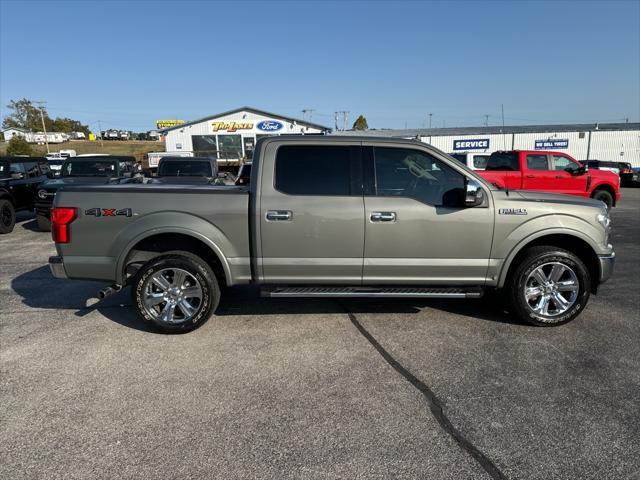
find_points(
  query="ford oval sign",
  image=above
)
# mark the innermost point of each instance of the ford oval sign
(269, 126)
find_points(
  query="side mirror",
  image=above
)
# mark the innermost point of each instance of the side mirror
(474, 194)
(17, 175)
(578, 171)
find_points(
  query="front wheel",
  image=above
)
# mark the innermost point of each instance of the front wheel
(176, 292)
(7, 216)
(605, 197)
(550, 287)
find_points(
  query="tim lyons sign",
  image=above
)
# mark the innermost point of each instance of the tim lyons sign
(475, 144)
(551, 144)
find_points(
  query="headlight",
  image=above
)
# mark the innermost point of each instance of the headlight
(42, 194)
(604, 220)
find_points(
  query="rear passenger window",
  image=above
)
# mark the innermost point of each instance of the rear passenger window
(17, 168)
(314, 170)
(537, 162)
(480, 162)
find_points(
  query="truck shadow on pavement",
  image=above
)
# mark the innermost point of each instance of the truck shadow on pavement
(40, 290)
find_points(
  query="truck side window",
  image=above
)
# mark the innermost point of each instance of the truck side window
(503, 161)
(314, 170)
(480, 161)
(32, 169)
(17, 168)
(537, 162)
(410, 173)
(560, 162)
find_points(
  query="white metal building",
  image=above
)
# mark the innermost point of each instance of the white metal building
(231, 136)
(618, 142)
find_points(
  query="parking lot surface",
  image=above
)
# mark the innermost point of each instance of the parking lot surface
(315, 389)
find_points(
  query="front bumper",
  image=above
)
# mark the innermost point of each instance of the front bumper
(607, 263)
(56, 265)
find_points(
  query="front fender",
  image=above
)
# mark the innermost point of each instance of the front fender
(536, 228)
(172, 222)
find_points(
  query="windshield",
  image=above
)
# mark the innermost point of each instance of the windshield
(184, 168)
(4, 170)
(88, 168)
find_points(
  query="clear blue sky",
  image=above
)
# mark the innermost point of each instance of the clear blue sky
(129, 63)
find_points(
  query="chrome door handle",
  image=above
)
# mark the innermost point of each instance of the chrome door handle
(531, 176)
(276, 215)
(383, 216)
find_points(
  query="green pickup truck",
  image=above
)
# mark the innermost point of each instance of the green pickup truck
(335, 217)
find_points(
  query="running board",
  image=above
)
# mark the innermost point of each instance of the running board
(388, 292)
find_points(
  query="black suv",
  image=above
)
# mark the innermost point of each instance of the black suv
(19, 179)
(84, 170)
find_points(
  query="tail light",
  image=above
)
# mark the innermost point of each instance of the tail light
(61, 218)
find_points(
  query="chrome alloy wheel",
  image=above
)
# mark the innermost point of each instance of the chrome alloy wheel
(551, 289)
(172, 295)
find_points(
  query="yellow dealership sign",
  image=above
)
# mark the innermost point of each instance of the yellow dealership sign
(231, 126)
(160, 124)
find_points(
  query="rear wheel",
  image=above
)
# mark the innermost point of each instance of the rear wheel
(176, 292)
(605, 197)
(550, 286)
(44, 224)
(7, 216)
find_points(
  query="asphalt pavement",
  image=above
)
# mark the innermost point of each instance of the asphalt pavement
(315, 389)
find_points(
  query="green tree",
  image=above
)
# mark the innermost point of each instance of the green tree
(361, 123)
(25, 115)
(18, 146)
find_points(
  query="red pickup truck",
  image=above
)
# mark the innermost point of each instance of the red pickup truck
(550, 172)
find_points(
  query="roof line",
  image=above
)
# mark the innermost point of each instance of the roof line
(245, 108)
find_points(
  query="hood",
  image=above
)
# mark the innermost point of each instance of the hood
(603, 175)
(534, 196)
(55, 183)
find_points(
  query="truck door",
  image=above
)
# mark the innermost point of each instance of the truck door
(537, 174)
(569, 183)
(417, 229)
(311, 214)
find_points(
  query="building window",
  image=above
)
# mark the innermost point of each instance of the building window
(230, 146)
(204, 145)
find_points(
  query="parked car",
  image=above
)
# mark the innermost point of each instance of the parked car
(335, 216)
(83, 170)
(187, 170)
(473, 160)
(613, 167)
(19, 178)
(551, 172)
(634, 180)
(55, 161)
(244, 174)
(626, 174)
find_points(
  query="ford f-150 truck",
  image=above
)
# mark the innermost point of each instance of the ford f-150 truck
(335, 217)
(553, 172)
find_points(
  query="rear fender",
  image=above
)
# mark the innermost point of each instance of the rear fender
(172, 222)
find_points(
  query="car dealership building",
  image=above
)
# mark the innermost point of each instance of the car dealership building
(231, 136)
(619, 142)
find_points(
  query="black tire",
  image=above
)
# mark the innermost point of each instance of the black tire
(533, 258)
(603, 196)
(196, 268)
(7, 216)
(44, 224)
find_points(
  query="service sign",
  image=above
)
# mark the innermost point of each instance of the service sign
(472, 144)
(160, 124)
(231, 126)
(270, 126)
(551, 144)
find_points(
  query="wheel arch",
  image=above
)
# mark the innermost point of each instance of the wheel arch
(607, 188)
(153, 244)
(572, 242)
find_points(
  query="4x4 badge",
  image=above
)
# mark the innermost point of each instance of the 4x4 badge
(108, 212)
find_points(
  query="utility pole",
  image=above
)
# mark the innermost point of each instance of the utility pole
(309, 111)
(486, 120)
(345, 118)
(335, 120)
(100, 130)
(504, 141)
(44, 128)
(430, 117)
